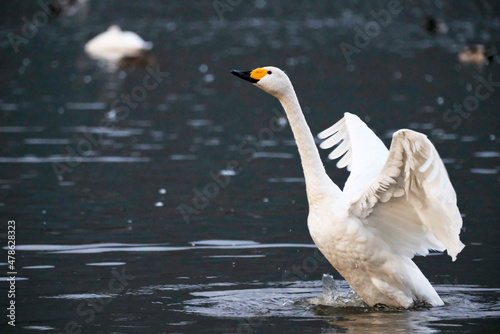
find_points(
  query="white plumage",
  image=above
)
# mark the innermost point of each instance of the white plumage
(114, 44)
(396, 203)
(411, 169)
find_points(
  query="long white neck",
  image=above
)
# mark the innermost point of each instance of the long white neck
(318, 183)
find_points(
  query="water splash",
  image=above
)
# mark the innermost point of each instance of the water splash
(330, 295)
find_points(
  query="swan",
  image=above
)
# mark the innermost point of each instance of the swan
(115, 44)
(396, 203)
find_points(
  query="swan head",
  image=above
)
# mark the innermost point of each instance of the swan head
(270, 79)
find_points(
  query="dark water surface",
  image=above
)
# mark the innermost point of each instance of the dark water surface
(104, 245)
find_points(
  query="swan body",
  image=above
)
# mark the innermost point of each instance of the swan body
(396, 203)
(115, 44)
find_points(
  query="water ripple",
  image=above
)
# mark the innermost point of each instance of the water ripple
(106, 264)
(8, 106)
(485, 171)
(46, 141)
(196, 123)
(15, 129)
(286, 180)
(116, 247)
(182, 157)
(104, 130)
(39, 328)
(487, 154)
(57, 158)
(80, 296)
(86, 105)
(39, 267)
(273, 155)
(306, 299)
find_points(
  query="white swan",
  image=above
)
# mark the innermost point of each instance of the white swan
(395, 204)
(115, 44)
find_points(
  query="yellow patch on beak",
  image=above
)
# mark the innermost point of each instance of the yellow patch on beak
(258, 73)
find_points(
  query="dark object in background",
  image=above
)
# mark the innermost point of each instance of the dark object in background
(55, 8)
(491, 54)
(435, 26)
(67, 7)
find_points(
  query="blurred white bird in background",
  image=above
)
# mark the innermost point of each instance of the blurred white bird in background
(396, 203)
(114, 45)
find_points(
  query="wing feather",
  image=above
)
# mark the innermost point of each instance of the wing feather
(412, 201)
(362, 152)
(341, 149)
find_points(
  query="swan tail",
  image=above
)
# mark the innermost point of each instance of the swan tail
(423, 291)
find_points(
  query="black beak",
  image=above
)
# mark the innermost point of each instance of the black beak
(245, 75)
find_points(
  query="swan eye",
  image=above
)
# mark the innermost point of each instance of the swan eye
(269, 72)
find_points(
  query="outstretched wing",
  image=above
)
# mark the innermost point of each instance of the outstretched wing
(411, 203)
(363, 153)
